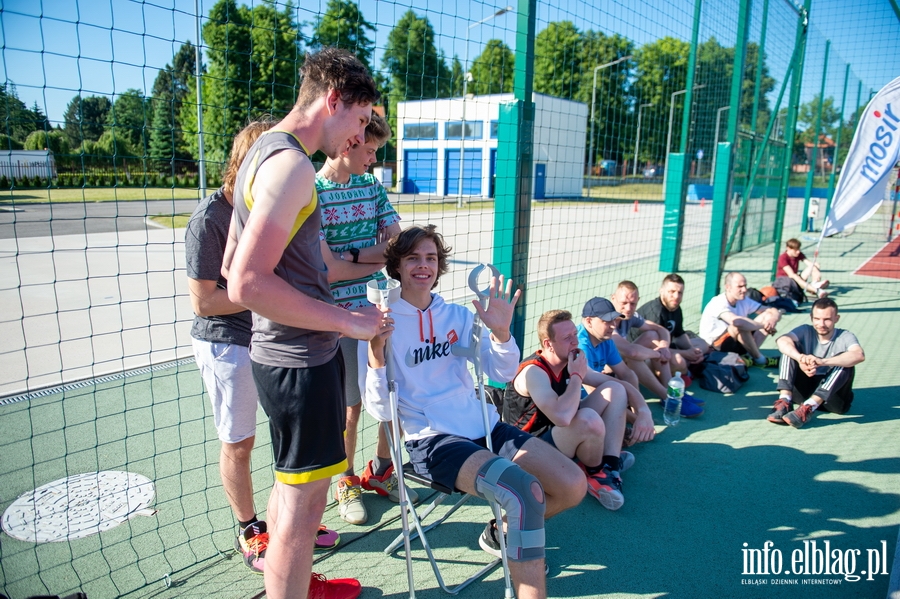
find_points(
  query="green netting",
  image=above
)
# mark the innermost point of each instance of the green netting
(565, 188)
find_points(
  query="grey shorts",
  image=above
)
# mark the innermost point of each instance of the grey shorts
(228, 376)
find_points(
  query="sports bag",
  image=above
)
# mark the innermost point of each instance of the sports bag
(723, 372)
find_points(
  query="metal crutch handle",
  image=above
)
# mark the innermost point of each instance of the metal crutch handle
(385, 293)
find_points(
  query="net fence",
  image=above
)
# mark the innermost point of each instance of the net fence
(101, 165)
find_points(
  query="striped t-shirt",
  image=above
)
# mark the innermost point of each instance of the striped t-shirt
(352, 215)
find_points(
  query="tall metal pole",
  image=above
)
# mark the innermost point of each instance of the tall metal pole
(466, 75)
(637, 141)
(837, 141)
(669, 136)
(593, 105)
(198, 70)
(712, 169)
(812, 167)
(790, 127)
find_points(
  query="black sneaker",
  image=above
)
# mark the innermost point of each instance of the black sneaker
(489, 542)
(782, 407)
(800, 416)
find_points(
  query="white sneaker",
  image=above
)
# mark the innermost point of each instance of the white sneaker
(349, 498)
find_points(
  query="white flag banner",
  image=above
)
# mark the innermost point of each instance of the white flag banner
(872, 155)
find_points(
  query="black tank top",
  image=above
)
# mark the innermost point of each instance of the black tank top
(521, 411)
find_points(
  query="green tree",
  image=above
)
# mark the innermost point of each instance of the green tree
(493, 70)
(253, 55)
(808, 113)
(129, 121)
(417, 70)
(342, 25)
(85, 117)
(613, 127)
(557, 60)
(171, 87)
(661, 70)
(8, 143)
(54, 140)
(17, 121)
(456, 78)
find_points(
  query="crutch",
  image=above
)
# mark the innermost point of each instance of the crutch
(473, 352)
(385, 293)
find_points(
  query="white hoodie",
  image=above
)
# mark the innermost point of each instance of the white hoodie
(436, 392)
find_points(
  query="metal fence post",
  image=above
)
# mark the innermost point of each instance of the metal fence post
(515, 148)
(715, 257)
(814, 153)
(673, 221)
(837, 141)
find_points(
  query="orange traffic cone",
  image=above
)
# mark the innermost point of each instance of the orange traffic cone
(635, 206)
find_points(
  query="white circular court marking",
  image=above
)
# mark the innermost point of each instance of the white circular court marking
(78, 506)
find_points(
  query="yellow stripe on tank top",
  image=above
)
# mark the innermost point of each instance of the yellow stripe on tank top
(248, 195)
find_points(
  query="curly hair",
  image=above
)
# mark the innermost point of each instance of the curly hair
(242, 143)
(405, 243)
(334, 68)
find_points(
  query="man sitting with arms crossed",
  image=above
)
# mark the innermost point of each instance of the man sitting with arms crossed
(732, 322)
(651, 345)
(818, 363)
(545, 400)
(442, 415)
(594, 338)
(685, 347)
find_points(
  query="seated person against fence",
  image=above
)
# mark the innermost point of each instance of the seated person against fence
(685, 347)
(648, 355)
(597, 325)
(221, 338)
(545, 399)
(817, 363)
(441, 413)
(733, 322)
(791, 282)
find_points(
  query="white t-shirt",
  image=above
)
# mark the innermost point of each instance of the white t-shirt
(712, 326)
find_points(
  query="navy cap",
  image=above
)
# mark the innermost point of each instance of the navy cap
(602, 308)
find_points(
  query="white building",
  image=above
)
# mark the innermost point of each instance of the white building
(429, 146)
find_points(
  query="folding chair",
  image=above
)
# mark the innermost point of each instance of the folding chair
(385, 293)
(421, 528)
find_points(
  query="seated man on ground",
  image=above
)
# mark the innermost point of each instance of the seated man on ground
(545, 399)
(732, 322)
(685, 347)
(597, 325)
(441, 414)
(648, 355)
(817, 363)
(788, 276)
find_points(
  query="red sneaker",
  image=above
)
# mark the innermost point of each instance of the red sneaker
(386, 485)
(338, 588)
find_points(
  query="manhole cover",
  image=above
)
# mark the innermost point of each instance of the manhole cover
(78, 506)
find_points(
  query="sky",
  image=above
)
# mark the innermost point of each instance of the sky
(52, 49)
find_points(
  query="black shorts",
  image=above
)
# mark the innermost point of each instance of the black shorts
(730, 344)
(441, 457)
(307, 418)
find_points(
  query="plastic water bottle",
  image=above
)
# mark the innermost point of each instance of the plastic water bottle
(674, 396)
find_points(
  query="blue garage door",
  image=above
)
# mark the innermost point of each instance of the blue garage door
(421, 171)
(471, 173)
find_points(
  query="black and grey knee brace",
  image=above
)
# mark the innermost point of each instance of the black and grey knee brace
(502, 481)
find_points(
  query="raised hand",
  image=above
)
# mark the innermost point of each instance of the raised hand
(501, 303)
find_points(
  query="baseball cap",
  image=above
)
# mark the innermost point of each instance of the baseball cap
(602, 308)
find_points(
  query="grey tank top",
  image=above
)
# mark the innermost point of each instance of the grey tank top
(301, 265)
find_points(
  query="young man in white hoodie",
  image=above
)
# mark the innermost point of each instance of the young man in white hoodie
(441, 413)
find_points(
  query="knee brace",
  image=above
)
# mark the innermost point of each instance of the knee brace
(502, 481)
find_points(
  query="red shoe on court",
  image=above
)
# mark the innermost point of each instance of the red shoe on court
(337, 588)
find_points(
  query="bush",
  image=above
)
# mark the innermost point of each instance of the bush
(4, 182)
(8, 143)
